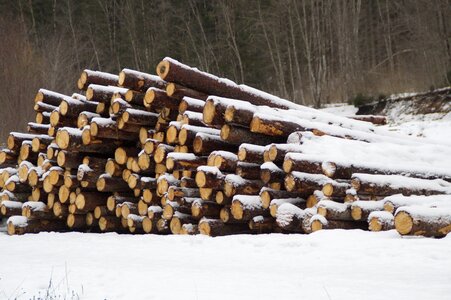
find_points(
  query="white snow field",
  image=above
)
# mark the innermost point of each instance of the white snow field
(333, 264)
(329, 264)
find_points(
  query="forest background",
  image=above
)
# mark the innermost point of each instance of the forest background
(312, 52)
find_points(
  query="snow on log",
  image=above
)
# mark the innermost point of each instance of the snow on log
(425, 221)
(392, 203)
(385, 185)
(381, 221)
(139, 81)
(88, 77)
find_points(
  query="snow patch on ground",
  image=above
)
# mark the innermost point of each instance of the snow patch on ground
(330, 264)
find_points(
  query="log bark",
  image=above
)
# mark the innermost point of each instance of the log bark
(101, 93)
(205, 143)
(188, 133)
(174, 71)
(139, 81)
(248, 170)
(216, 227)
(88, 77)
(335, 211)
(385, 185)
(236, 185)
(208, 209)
(237, 135)
(184, 161)
(72, 107)
(157, 99)
(268, 194)
(179, 91)
(251, 153)
(246, 207)
(305, 182)
(107, 183)
(209, 177)
(381, 221)
(191, 104)
(425, 221)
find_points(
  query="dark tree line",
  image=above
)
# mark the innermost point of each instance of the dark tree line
(310, 51)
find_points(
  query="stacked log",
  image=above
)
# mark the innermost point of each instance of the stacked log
(186, 152)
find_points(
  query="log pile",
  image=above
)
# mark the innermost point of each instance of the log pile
(186, 152)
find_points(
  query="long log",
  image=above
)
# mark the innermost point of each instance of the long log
(88, 77)
(381, 221)
(245, 207)
(237, 135)
(21, 225)
(251, 153)
(188, 133)
(191, 104)
(139, 81)
(209, 177)
(216, 227)
(335, 211)
(101, 93)
(385, 185)
(174, 71)
(425, 221)
(205, 143)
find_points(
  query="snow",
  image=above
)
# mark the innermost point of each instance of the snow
(270, 166)
(432, 214)
(145, 76)
(35, 206)
(433, 200)
(248, 201)
(398, 181)
(225, 154)
(210, 170)
(286, 212)
(201, 129)
(181, 156)
(384, 216)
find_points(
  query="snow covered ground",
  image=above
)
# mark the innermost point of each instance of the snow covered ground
(333, 264)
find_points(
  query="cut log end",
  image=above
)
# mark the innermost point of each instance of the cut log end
(265, 199)
(328, 189)
(356, 213)
(316, 225)
(389, 207)
(197, 144)
(403, 223)
(121, 78)
(120, 155)
(201, 179)
(175, 225)
(242, 154)
(100, 184)
(204, 228)
(374, 225)
(322, 211)
(11, 228)
(229, 113)
(171, 135)
(237, 210)
(147, 225)
(272, 154)
(290, 183)
(170, 89)
(209, 111)
(163, 69)
(62, 139)
(89, 93)
(225, 131)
